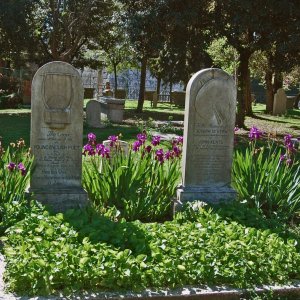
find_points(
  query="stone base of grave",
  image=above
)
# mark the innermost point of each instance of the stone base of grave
(211, 195)
(60, 200)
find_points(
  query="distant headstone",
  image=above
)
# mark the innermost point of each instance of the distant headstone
(120, 94)
(56, 136)
(112, 109)
(118, 148)
(279, 106)
(178, 98)
(93, 114)
(208, 138)
(290, 101)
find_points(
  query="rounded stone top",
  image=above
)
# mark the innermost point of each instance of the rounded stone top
(110, 100)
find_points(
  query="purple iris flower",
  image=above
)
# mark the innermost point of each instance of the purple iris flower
(142, 137)
(148, 148)
(255, 133)
(91, 138)
(22, 168)
(176, 151)
(178, 141)
(11, 166)
(160, 155)
(99, 148)
(288, 143)
(113, 139)
(169, 154)
(105, 152)
(156, 140)
(88, 149)
(136, 145)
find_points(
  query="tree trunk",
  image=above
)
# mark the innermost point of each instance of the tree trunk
(158, 86)
(243, 88)
(155, 99)
(269, 91)
(278, 81)
(248, 97)
(116, 78)
(142, 85)
(170, 91)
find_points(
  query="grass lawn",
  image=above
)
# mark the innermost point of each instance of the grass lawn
(15, 123)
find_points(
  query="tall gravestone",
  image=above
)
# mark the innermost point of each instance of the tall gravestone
(279, 107)
(56, 136)
(208, 138)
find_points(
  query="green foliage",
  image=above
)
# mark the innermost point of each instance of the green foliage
(137, 184)
(13, 183)
(223, 55)
(44, 254)
(266, 183)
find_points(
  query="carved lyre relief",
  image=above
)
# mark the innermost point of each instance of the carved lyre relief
(57, 93)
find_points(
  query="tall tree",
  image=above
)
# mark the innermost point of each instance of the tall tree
(240, 22)
(16, 35)
(144, 28)
(187, 35)
(56, 29)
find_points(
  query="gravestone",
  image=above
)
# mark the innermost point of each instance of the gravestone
(208, 138)
(112, 109)
(93, 114)
(178, 98)
(56, 136)
(279, 107)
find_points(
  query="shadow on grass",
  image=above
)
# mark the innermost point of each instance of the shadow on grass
(98, 228)
(155, 115)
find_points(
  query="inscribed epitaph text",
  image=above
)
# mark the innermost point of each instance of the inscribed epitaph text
(208, 137)
(56, 136)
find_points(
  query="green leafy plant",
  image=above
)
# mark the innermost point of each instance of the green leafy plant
(15, 164)
(268, 180)
(140, 184)
(45, 254)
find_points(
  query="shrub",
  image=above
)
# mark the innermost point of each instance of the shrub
(268, 180)
(140, 184)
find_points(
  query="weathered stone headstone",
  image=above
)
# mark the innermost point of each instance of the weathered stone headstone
(112, 109)
(120, 94)
(208, 138)
(279, 107)
(118, 148)
(56, 136)
(93, 114)
(178, 98)
(290, 101)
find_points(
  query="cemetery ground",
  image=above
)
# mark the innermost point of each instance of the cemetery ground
(128, 241)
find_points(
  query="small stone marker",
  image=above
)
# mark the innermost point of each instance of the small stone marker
(279, 107)
(93, 114)
(208, 138)
(56, 136)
